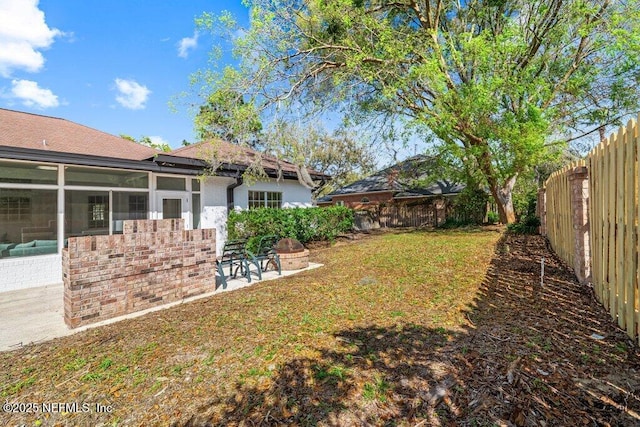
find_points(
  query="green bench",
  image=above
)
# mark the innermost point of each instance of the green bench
(238, 259)
(234, 258)
(265, 255)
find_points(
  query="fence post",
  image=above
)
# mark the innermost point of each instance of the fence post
(579, 181)
(541, 210)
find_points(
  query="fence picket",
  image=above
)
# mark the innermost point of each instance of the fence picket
(614, 223)
(620, 229)
(636, 242)
(629, 209)
(611, 215)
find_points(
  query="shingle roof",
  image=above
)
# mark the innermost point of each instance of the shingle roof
(33, 131)
(387, 180)
(227, 152)
(20, 130)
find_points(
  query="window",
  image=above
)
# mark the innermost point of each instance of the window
(95, 177)
(365, 200)
(340, 203)
(86, 212)
(98, 211)
(169, 183)
(28, 173)
(138, 206)
(265, 199)
(256, 199)
(195, 208)
(26, 216)
(128, 205)
(15, 208)
(274, 200)
(195, 203)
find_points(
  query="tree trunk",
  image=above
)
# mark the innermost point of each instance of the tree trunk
(504, 200)
(501, 194)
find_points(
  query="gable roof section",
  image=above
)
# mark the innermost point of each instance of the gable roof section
(386, 180)
(236, 157)
(28, 131)
(27, 136)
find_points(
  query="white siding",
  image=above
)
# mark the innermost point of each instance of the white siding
(294, 194)
(30, 272)
(214, 207)
(214, 201)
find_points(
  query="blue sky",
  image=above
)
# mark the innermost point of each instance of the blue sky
(113, 65)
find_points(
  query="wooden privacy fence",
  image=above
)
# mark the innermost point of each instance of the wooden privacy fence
(602, 247)
(408, 216)
(430, 213)
(559, 217)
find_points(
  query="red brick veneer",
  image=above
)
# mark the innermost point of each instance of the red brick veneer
(153, 262)
(294, 260)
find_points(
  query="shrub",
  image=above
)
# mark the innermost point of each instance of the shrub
(470, 206)
(302, 224)
(527, 225)
(493, 217)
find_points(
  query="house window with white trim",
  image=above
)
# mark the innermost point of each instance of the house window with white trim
(265, 199)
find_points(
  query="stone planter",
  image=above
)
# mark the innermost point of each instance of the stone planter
(294, 260)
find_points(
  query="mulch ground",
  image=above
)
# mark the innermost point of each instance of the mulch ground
(540, 355)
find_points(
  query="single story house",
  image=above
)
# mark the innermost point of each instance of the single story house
(402, 195)
(400, 183)
(60, 179)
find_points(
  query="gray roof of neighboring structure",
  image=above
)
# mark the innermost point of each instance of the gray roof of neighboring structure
(386, 180)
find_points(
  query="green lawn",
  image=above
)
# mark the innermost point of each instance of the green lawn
(334, 345)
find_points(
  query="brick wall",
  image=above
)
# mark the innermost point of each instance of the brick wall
(153, 262)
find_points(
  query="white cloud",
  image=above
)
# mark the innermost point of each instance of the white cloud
(132, 94)
(187, 44)
(33, 95)
(158, 141)
(23, 32)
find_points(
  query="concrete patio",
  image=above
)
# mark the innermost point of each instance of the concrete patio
(36, 315)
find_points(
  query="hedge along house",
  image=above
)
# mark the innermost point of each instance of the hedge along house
(59, 179)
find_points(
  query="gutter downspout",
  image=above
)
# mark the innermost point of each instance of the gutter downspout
(230, 188)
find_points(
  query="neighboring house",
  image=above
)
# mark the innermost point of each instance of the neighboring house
(60, 179)
(397, 184)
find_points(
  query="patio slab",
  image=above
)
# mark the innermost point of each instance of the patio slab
(36, 315)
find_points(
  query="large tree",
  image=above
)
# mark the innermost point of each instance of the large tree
(339, 154)
(499, 82)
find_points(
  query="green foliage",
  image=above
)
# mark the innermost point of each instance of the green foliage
(146, 140)
(340, 154)
(227, 116)
(302, 224)
(470, 206)
(501, 84)
(492, 217)
(527, 225)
